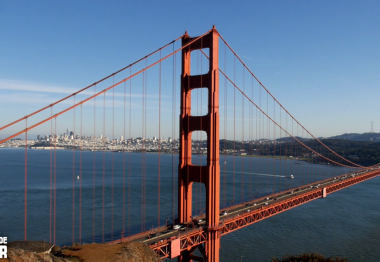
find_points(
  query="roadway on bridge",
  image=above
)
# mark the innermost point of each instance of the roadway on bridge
(155, 236)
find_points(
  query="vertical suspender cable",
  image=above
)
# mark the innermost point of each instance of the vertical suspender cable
(200, 169)
(280, 152)
(262, 152)
(145, 125)
(268, 145)
(73, 211)
(145, 162)
(315, 160)
(304, 156)
(250, 143)
(257, 152)
(304, 172)
(323, 151)
(225, 129)
(93, 172)
(293, 146)
(26, 180)
(80, 176)
(299, 149)
(286, 149)
(104, 160)
(310, 163)
(318, 161)
(274, 148)
(265, 152)
(311, 166)
(234, 153)
(51, 174)
(294, 149)
(309, 159)
(129, 153)
(242, 143)
(199, 160)
(124, 148)
(259, 145)
(315, 166)
(296, 156)
(159, 144)
(113, 149)
(142, 152)
(199, 142)
(318, 167)
(55, 176)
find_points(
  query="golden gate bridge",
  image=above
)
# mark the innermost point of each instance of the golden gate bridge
(239, 118)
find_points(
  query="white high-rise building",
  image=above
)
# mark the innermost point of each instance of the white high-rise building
(121, 138)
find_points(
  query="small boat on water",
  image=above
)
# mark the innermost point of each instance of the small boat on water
(225, 162)
(78, 177)
(291, 176)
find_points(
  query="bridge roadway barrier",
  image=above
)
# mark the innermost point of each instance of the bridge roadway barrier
(242, 215)
(292, 201)
(138, 236)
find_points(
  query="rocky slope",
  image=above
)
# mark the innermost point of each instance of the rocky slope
(32, 251)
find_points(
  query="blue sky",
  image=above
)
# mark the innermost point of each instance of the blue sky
(320, 59)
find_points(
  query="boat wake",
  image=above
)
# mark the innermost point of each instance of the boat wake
(252, 174)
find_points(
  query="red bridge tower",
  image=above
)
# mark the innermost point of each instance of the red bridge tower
(209, 175)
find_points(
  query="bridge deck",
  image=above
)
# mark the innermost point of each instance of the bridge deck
(245, 214)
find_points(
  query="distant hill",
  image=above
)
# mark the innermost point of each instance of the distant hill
(375, 137)
(289, 139)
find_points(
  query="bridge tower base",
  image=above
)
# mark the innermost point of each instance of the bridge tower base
(209, 175)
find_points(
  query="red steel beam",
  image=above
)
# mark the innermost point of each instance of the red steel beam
(187, 242)
(188, 173)
(195, 238)
(254, 216)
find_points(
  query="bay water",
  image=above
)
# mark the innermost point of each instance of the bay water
(108, 196)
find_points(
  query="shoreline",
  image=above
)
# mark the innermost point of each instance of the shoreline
(151, 152)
